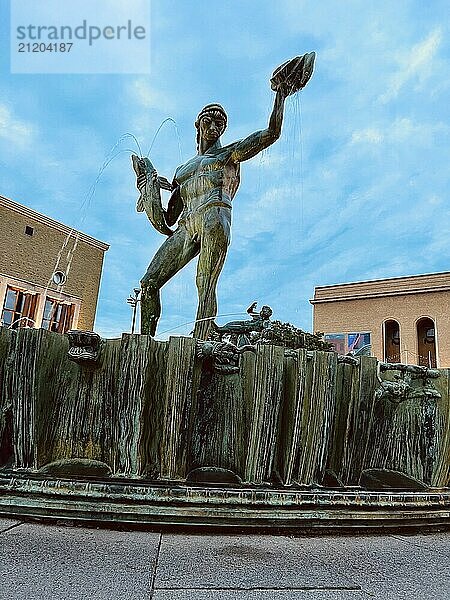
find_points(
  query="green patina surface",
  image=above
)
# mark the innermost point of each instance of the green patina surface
(154, 410)
(151, 412)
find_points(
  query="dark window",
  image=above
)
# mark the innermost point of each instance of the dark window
(29, 230)
(426, 342)
(391, 341)
(57, 316)
(19, 308)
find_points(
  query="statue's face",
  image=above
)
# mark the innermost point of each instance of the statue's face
(211, 126)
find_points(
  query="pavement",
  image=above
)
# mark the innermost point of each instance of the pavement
(40, 561)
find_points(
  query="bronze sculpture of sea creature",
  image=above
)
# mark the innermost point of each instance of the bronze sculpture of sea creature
(150, 197)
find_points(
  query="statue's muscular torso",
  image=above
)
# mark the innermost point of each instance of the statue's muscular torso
(207, 180)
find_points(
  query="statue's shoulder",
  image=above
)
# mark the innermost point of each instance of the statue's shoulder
(182, 170)
(226, 151)
(231, 147)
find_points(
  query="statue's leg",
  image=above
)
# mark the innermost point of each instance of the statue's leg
(173, 255)
(215, 240)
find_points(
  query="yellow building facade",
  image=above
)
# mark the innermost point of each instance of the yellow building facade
(49, 273)
(400, 319)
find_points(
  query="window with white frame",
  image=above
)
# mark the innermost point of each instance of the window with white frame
(19, 308)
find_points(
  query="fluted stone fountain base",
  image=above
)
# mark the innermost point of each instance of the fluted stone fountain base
(170, 504)
(176, 433)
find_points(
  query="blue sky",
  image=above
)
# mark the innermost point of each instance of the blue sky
(357, 188)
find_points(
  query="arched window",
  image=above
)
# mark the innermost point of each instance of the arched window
(391, 341)
(426, 342)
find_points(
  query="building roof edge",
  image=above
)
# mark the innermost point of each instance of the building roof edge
(30, 212)
(378, 280)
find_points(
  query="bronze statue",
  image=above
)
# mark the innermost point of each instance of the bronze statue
(202, 191)
(240, 331)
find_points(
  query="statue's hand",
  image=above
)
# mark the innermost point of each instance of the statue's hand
(143, 178)
(252, 307)
(164, 183)
(293, 75)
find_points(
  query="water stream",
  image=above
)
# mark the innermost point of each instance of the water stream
(74, 234)
(238, 314)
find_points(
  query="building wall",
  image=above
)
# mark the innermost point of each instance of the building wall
(365, 306)
(32, 259)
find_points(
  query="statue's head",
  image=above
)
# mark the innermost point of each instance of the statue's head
(266, 312)
(211, 122)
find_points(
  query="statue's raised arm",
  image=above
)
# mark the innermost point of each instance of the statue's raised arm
(289, 78)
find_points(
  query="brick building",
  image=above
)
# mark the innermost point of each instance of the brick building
(49, 273)
(401, 319)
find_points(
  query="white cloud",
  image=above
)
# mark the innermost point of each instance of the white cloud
(14, 130)
(370, 134)
(415, 65)
(403, 129)
(400, 131)
(150, 97)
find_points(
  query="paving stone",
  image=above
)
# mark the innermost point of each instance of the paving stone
(7, 524)
(39, 562)
(436, 542)
(388, 566)
(246, 562)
